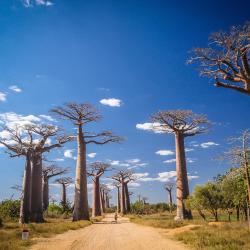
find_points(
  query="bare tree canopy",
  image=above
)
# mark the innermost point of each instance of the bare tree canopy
(79, 114)
(53, 170)
(169, 186)
(227, 58)
(96, 169)
(181, 121)
(64, 181)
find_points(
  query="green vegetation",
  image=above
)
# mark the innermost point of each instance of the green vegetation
(10, 233)
(9, 209)
(229, 236)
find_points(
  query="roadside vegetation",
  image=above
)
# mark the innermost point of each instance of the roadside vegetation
(56, 221)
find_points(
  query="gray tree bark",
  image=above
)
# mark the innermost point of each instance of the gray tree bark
(36, 201)
(25, 202)
(182, 188)
(81, 211)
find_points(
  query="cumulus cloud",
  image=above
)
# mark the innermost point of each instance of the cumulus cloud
(92, 155)
(133, 161)
(208, 144)
(170, 161)
(164, 152)
(162, 177)
(119, 163)
(31, 3)
(47, 117)
(11, 119)
(112, 102)
(151, 126)
(15, 88)
(2, 97)
(68, 153)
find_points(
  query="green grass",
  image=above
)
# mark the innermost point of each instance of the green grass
(10, 233)
(231, 236)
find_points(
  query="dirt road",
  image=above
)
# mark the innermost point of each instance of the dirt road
(108, 235)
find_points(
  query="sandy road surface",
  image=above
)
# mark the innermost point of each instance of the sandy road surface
(107, 235)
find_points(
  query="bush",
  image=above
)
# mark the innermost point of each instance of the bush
(10, 209)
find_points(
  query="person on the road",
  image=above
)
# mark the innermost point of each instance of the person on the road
(116, 217)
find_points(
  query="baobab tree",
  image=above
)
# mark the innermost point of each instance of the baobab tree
(80, 115)
(65, 182)
(227, 58)
(124, 177)
(96, 170)
(240, 155)
(31, 141)
(118, 202)
(169, 188)
(104, 190)
(181, 123)
(48, 173)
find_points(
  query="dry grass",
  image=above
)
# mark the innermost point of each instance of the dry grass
(209, 236)
(10, 233)
(230, 236)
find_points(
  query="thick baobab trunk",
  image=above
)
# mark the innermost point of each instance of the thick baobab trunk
(45, 192)
(36, 200)
(118, 200)
(64, 197)
(182, 189)
(102, 201)
(96, 209)
(81, 211)
(25, 202)
(170, 201)
(127, 198)
(107, 200)
(123, 205)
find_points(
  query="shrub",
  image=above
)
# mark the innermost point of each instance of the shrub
(10, 209)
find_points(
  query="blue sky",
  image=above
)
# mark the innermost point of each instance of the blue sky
(133, 51)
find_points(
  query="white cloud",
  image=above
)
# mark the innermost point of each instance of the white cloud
(12, 119)
(133, 161)
(47, 117)
(15, 88)
(58, 159)
(192, 177)
(163, 177)
(165, 152)
(134, 184)
(208, 144)
(189, 160)
(2, 97)
(189, 149)
(140, 176)
(92, 155)
(118, 163)
(170, 161)
(31, 3)
(112, 102)
(68, 153)
(155, 127)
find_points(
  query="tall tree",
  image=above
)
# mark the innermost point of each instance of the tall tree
(181, 123)
(65, 182)
(48, 173)
(227, 59)
(169, 188)
(118, 202)
(240, 155)
(80, 115)
(124, 177)
(96, 170)
(32, 142)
